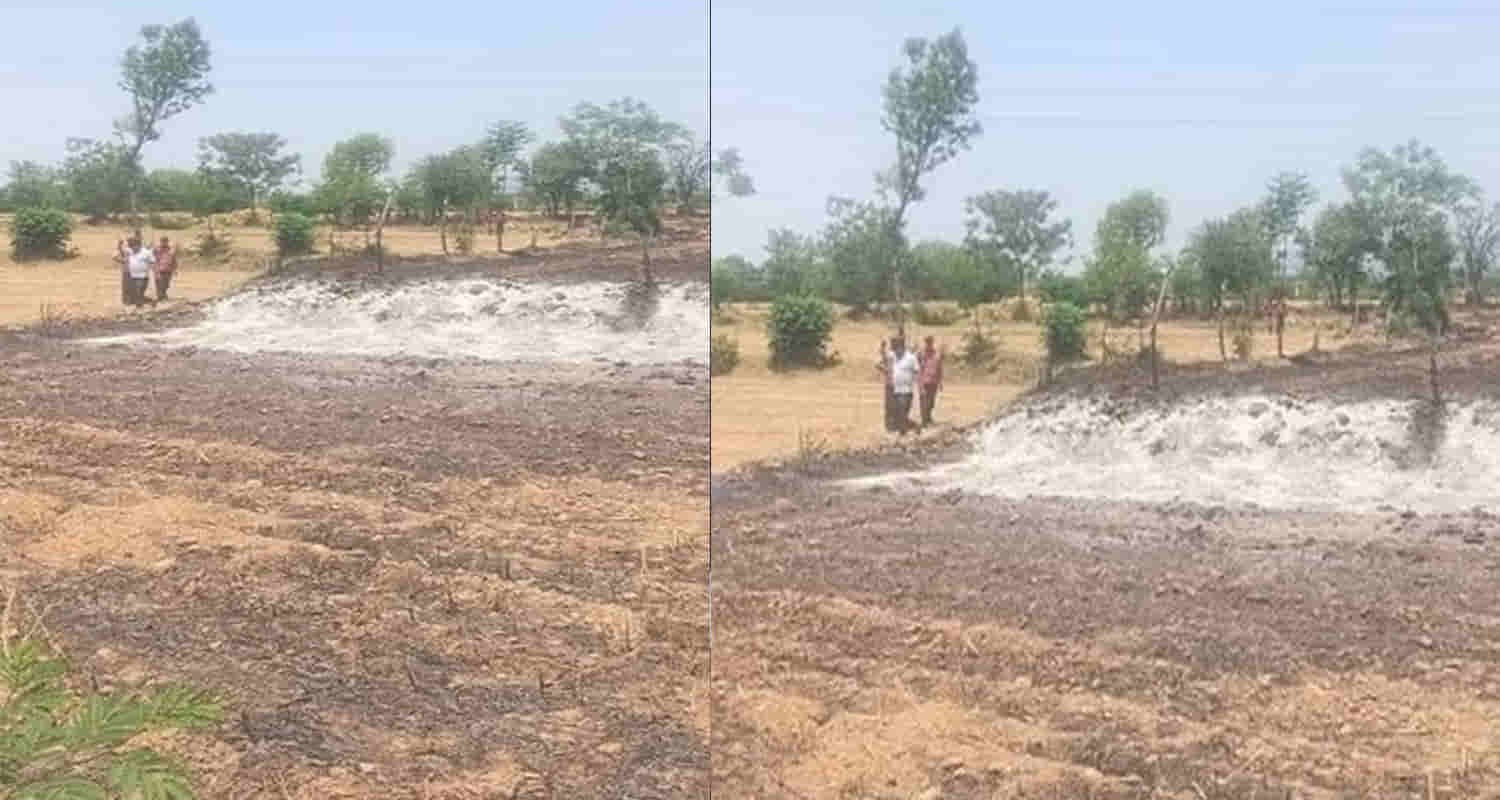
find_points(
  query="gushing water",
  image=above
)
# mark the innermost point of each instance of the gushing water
(474, 318)
(1271, 452)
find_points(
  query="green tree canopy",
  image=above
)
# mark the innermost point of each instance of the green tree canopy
(254, 161)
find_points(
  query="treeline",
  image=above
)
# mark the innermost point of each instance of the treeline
(1410, 233)
(621, 161)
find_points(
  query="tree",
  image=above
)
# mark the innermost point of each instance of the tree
(253, 161)
(1404, 196)
(98, 177)
(1009, 231)
(688, 169)
(33, 185)
(1121, 273)
(729, 167)
(1338, 246)
(1289, 195)
(352, 187)
(929, 108)
(166, 74)
(623, 146)
(858, 243)
(458, 179)
(1233, 258)
(502, 148)
(555, 176)
(1478, 238)
(793, 264)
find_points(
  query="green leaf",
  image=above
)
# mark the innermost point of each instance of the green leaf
(108, 720)
(63, 789)
(182, 707)
(146, 775)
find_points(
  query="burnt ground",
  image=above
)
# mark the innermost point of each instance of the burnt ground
(881, 644)
(408, 578)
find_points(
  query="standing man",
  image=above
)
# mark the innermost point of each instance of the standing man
(931, 379)
(138, 264)
(166, 266)
(122, 257)
(901, 369)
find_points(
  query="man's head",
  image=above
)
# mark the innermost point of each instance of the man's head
(133, 243)
(899, 345)
(165, 242)
(930, 345)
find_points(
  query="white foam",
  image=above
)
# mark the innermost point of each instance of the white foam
(472, 318)
(1271, 452)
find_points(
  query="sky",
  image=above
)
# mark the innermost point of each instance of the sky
(430, 76)
(1201, 102)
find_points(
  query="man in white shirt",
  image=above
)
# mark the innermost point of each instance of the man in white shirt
(138, 265)
(901, 367)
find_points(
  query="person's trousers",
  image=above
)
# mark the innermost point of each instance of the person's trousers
(163, 283)
(138, 291)
(890, 409)
(124, 287)
(901, 411)
(929, 399)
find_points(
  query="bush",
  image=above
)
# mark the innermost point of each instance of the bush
(40, 233)
(1063, 332)
(723, 355)
(65, 744)
(294, 234)
(935, 316)
(464, 240)
(799, 329)
(978, 351)
(1055, 287)
(723, 287)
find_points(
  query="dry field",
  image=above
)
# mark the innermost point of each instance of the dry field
(890, 645)
(411, 578)
(759, 414)
(88, 285)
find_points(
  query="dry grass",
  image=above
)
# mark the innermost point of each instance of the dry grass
(759, 413)
(88, 285)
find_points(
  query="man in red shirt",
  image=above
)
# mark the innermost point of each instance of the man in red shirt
(930, 378)
(166, 266)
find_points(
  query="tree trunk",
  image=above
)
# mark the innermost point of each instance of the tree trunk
(1223, 352)
(500, 233)
(900, 308)
(1432, 370)
(1280, 328)
(380, 233)
(443, 226)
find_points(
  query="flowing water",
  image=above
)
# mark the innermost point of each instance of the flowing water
(1273, 452)
(471, 318)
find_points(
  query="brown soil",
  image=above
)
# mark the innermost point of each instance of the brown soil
(412, 579)
(878, 644)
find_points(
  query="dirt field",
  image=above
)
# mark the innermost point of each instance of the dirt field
(88, 285)
(759, 414)
(880, 644)
(411, 578)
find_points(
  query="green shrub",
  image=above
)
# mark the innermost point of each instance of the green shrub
(799, 329)
(723, 355)
(978, 351)
(294, 234)
(40, 233)
(935, 316)
(1063, 332)
(723, 287)
(1055, 287)
(72, 745)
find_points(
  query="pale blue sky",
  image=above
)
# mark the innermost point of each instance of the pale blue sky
(429, 75)
(1201, 102)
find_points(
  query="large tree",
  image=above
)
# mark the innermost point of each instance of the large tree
(456, 180)
(929, 108)
(165, 74)
(858, 242)
(1405, 196)
(1232, 256)
(1121, 272)
(1011, 231)
(688, 171)
(98, 176)
(32, 185)
(253, 161)
(1337, 249)
(502, 147)
(792, 265)
(555, 177)
(353, 189)
(1478, 240)
(1288, 197)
